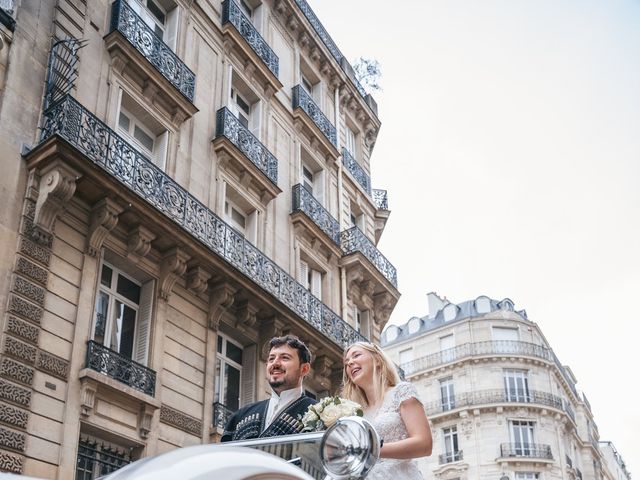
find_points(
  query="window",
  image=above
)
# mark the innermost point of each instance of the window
(505, 340)
(452, 453)
(406, 356)
(527, 476)
(483, 304)
(516, 385)
(240, 214)
(312, 176)
(240, 107)
(311, 279)
(450, 312)
(350, 142)
(522, 437)
(162, 20)
(142, 131)
(414, 325)
(356, 216)
(245, 105)
(228, 373)
(392, 333)
(123, 313)
(447, 345)
(310, 82)
(361, 321)
(447, 397)
(97, 458)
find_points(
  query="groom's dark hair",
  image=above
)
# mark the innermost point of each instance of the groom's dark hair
(294, 342)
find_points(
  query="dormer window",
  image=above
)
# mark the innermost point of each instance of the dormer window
(414, 325)
(483, 304)
(506, 304)
(450, 312)
(392, 333)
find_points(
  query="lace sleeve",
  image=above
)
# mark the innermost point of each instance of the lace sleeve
(404, 391)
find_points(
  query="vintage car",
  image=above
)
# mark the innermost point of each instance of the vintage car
(347, 450)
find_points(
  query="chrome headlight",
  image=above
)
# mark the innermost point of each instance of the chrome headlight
(349, 448)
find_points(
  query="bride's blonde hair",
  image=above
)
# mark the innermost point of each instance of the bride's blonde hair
(385, 375)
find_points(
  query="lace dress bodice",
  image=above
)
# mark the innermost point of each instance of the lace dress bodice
(389, 425)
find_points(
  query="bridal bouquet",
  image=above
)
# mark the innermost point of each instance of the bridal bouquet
(327, 411)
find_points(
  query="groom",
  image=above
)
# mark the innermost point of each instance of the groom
(287, 365)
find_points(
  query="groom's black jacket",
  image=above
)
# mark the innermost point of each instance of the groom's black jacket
(248, 422)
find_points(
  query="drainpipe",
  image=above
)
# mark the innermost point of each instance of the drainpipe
(343, 273)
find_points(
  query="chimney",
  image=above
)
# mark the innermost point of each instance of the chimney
(435, 304)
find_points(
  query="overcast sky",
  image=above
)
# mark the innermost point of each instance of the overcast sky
(510, 148)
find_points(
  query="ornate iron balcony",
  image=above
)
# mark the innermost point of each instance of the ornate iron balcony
(450, 457)
(498, 347)
(228, 126)
(358, 173)
(136, 31)
(531, 450)
(491, 397)
(121, 368)
(107, 150)
(304, 202)
(567, 408)
(353, 240)
(380, 199)
(221, 415)
(301, 99)
(232, 13)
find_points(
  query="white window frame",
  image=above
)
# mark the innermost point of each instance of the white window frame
(527, 476)
(522, 433)
(222, 361)
(451, 442)
(311, 279)
(516, 385)
(158, 153)
(447, 351)
(405, 355)
(447, 394)
(350, 142)
(242, 114)
(165, 30)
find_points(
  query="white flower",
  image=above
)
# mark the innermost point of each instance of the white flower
(331, 414)
(327, 412)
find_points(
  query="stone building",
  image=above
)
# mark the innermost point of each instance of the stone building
(614, 463)
(501, 404)
(181, 181)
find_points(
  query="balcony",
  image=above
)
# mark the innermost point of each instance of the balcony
(535, 451)
(310, 218)
(496, 347)
(6, 12)
(242, 152)
(107, 163)
(380, 199)
(151, 64)
(450, 457)
(307, 114)
(221, 415)
(493, 397)
(250, 44)
(356, 171)
(120, 368)
(353, 241)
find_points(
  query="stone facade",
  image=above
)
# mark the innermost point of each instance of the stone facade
(500, 403)
(173, 201)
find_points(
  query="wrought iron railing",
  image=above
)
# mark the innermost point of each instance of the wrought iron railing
(380, 199)
(107, 150)
(221, 415)
(492, 397)
(121, 368)
(531, 450)
(303, 201)
(356, 171)
(565, 375)
(228, 126)
(97, 458)
(353, 240)
(159, 54)
(327, 40)
(233, 14)
(301, 99)
(499, 347)
(567, 408)
(450, 457)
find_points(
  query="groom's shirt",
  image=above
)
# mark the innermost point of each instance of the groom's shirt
(278, 403)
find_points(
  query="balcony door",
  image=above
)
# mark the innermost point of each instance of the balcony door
(447, 395)
(516, 384)
(522, 437)
(228, 373)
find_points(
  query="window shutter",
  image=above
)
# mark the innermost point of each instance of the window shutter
(141, 350)
(318, 188)
(161, 150)
(254, 119)
(316, 283)
(304, 274)
(171, 29)
(249, 356)
(252, 227)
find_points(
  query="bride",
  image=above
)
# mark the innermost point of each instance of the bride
(393, 408)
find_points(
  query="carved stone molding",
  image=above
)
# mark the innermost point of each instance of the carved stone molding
(35, 251)
(221, 298)
(25, 309)
(56, 366)
(180, 420)
(144, 419)
(355, 275)
(383, 304)
(139, 241)
(31, 270)
(13, 416)
(29, 290)
(88, 389)
(16, 371)
(14, 393)
(197, 280)
(12, 440)
(11, 463)
(322, 370)
(23, 329)
(246, 315)
(56, 187)
(174, 265)
(104, 218)
(269, 327)
(20, 350)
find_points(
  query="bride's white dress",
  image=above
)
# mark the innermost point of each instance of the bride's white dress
(391, 428)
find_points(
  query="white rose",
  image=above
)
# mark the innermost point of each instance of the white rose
(331, 414)
(310, 416)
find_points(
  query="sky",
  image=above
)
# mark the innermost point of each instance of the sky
(510, 149)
